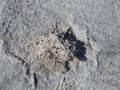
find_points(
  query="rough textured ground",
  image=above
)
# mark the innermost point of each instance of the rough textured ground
(59, 44)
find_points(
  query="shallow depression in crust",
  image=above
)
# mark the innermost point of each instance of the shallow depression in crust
(48, 52)
(53, 51)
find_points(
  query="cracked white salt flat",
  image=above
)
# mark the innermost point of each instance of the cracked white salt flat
(88, 42)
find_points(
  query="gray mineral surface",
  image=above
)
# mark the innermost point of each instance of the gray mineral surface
(59, 44)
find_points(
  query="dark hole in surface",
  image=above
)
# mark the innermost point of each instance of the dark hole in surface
(72, 44)
(28, 71)
(37, 43)
(69, 35)
(27, 1)
(80, 50)
(55, 58)
(67, 65)
(35, 80)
